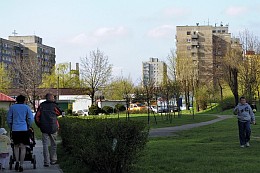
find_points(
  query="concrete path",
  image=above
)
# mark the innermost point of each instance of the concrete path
(28, 167)
(169, 131)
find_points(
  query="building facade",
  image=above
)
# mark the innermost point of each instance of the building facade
(154, 71)
(206, 46)
(45, 54)
(25, 47)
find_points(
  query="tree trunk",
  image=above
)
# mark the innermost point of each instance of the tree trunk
(235, 74)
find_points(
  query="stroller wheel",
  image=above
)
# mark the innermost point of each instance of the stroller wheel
(34, 162)
(11, 162)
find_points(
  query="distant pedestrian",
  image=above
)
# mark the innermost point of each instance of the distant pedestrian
(19, 120)
(46, 120)
(253, 106)
(245, 116)
(4, 145)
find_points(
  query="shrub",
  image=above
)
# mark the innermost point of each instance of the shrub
(106, 145)
(3, 114)
(142, 111)
(69, 111)
(94, 110)
(107, 110)
(227, 103)
(120, 107)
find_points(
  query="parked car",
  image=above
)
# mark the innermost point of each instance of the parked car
(174, 109)
(162, 109)
(83, 112)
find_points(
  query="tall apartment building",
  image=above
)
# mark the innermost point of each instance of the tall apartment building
(205, 45)
(44, 53)
(154, 71)
(24, 47)
(9, 51)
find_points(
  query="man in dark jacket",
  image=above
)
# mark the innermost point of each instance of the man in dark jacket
(46, 120)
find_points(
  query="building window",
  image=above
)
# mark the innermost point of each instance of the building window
(188, 32)
(214, 31)
(188, 40)
(219, 31)
(223, 31)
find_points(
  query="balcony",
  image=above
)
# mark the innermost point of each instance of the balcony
(194, 50)
(194, 36)
(194, 43)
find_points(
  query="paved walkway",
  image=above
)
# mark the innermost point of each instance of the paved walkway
(28, 167)
(169, 131)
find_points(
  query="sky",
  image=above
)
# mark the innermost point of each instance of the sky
(129, 32)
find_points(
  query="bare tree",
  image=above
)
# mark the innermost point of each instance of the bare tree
(27, 77)
(148, 91)
(127, 89)
(96, 71)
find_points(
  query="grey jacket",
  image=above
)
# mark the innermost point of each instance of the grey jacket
(244, 112)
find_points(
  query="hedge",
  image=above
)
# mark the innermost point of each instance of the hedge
(108, 145)
(107, 110)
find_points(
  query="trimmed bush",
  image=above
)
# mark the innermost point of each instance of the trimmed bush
(120, 107)
(94, 110)
(107, 110)
(106, 145)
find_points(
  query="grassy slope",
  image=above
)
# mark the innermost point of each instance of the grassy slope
(213, 148)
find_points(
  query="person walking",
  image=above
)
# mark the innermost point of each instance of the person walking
(46, 120)
(19, 119)
(245, 117)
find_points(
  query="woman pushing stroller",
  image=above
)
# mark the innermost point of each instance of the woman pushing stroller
(19, 119)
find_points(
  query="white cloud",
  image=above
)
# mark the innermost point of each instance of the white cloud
(164, 31)
(99, 34)
(236, 10)
(172, 12)
(110, 32)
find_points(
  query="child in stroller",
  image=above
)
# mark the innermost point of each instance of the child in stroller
(4, 143)
(29, 156)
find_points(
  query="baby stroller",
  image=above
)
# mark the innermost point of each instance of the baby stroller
(29, 156)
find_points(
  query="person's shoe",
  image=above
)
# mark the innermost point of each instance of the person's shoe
(247, 144)
(20, 169)
(16, 167)
(53, 163)
(242, 146)
(46, 165)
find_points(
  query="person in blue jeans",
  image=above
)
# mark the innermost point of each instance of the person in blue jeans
(245, 117)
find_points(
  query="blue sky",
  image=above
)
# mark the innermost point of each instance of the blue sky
(127, 31)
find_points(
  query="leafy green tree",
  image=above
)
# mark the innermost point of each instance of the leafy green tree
(231, 65)
(117, 89)
(61, 77)
(5, 80)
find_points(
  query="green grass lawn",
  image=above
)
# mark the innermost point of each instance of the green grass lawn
(162, 119)
(214, 148)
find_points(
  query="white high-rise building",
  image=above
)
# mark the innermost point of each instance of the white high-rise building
(154, 71)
